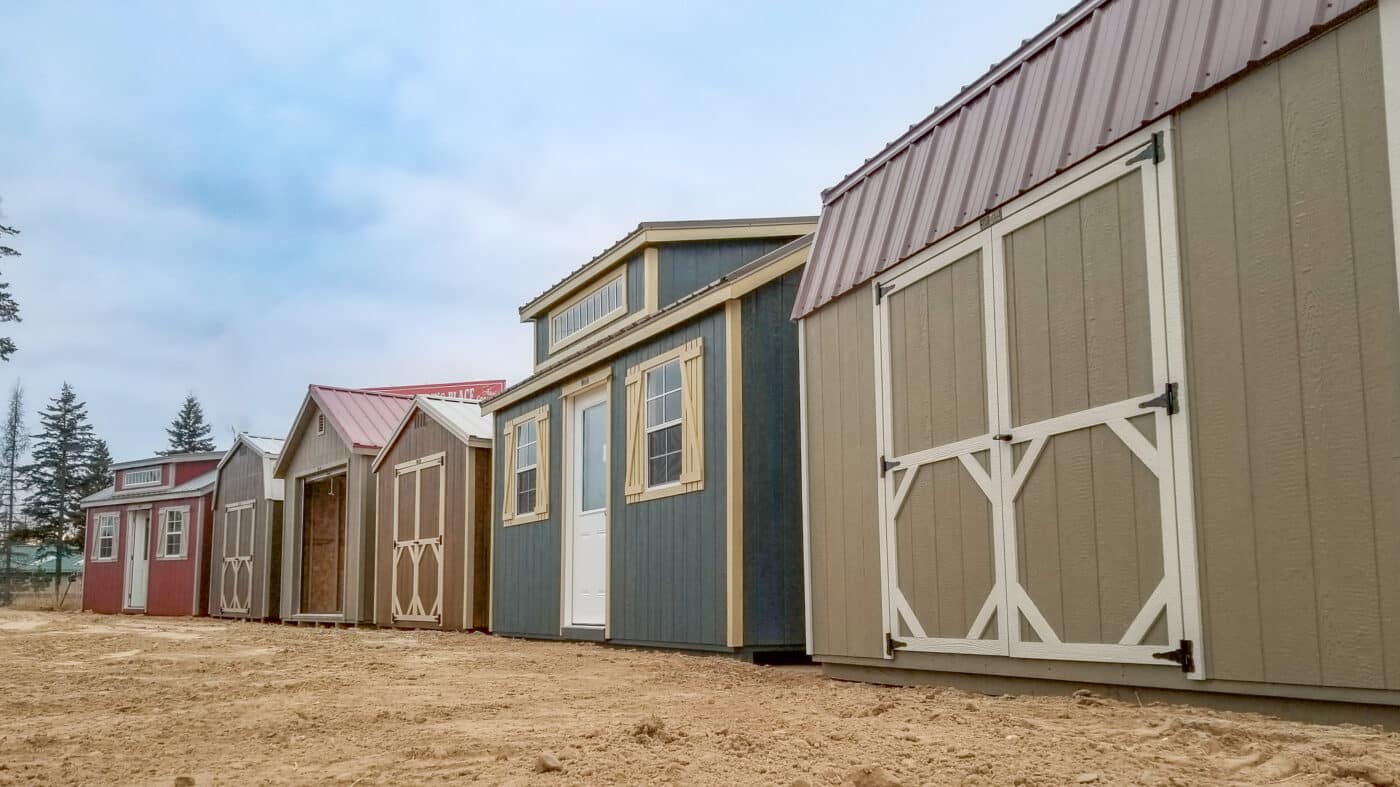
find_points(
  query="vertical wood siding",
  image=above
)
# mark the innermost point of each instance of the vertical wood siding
(1289, 269)
(424, 437)
(636, 301)
(683, 268)
(667, 580)
(525, 576)
(773, 602)
(241, 479)
(843, 512)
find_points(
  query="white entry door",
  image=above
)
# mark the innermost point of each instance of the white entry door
(138, 555)
(588, 510)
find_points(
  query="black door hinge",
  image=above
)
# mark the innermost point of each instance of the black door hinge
(1155, 151)
(891, 643)
(1005, 438)
(1182, 656)
(880, 290)
(1167, 399)
(886, 465)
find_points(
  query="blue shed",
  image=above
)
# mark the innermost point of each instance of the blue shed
(647, 491)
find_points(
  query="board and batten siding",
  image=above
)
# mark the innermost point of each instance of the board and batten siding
(242, 478)
(773, 603)
(525, 570)
(636, 301)
(1293, 340)
(667, 577)
(422, 438)
(842, 508)
(1292, 388)
(683, 268)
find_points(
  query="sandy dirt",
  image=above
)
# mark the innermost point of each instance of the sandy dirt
(114, 700)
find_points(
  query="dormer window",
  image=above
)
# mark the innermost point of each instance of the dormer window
(144, 476)
(592, 309)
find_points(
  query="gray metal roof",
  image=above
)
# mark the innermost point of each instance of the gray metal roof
(1100, 72)
(192, 488)
(166, 459)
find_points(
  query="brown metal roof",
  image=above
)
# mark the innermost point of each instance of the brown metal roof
(1100, 72)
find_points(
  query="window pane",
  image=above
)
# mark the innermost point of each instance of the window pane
(525, 502)
(673, 467)
(655, 381)
(672, 371)
(673, 440)
(672, 406)
(595, 446)
(654, 413)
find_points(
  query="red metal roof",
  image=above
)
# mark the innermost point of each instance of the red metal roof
(471, 389)
(365, 419)
(1100, 72)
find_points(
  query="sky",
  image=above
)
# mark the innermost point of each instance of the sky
(239, 199)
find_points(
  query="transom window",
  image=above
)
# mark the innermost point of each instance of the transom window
(526, 465)
(106, 536)
(663, 424)
(604, 302)
(145, 476)
(173, 532)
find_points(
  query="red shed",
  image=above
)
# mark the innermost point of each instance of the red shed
(147, 547)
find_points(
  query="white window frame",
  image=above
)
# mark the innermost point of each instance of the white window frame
(163, 552)
(510, 495)
(106, 519)
(517, 469)
(127, 483)
(678, 421)
(620, 280)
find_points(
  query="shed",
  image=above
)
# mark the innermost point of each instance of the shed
(433, 550)
(646, 490)
(246, 547)
(328, 517)
(1101, 369)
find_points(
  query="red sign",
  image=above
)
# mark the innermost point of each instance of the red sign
(471, 389)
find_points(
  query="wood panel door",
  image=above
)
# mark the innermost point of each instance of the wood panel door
(323, 546)
(236, 568)
(416, 575)
(1029, 426)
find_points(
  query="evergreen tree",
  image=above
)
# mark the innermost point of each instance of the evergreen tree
(189, 433)
(9, 309)
(99, 468)
(14, 443)
(58, 476)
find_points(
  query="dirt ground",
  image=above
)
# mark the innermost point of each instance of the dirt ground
(114, 700)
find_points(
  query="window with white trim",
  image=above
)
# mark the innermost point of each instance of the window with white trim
(605, 302)
(144, 476)
(105, 545)
(663, 426)
(526, 465)
(526, 452)
(174, 532)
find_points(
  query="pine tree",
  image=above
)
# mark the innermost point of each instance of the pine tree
(99, 468)
(14, 443)
(58, 476)
(9, 309)
(189, 433)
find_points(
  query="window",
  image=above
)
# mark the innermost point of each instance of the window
(106, 536)
(526, 451)
(173, 532)
(605, 302)
(320, 423)
(526, 456)
(665, 424)
(663, 427)
(145, 476)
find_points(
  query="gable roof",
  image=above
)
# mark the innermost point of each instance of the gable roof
(362, 420)
(268, 450)
(168, 459)
(462, 418)
(195, 487)
(1097, 74)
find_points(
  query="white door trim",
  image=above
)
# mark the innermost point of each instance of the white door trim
(144, 515)
(573, 403)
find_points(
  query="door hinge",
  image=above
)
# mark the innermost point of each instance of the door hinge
(886, 465)
(1155, 151)
(1182, 656)
(881, 288)
(1167, 399)
(1005, 438)
(891, 643)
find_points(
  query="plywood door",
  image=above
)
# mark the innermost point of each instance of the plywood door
(416, 573)
(1029, 476)
(323, 546)
(236, 570)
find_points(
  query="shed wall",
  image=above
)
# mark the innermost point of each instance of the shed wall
(683, 268)
(241, 479)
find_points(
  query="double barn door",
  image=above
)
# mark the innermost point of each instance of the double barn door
(236, 570)
(1030, 491)
(420, 503)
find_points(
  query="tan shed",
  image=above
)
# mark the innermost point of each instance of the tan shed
(433, 538)
(1101, 369)
(246, 549)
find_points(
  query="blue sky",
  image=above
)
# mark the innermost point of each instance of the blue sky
(238, 199)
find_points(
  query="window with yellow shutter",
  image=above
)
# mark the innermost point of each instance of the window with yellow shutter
(526, 452)
(665, 424)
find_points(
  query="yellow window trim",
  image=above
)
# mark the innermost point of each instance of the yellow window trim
(691, 355)
(509, 516)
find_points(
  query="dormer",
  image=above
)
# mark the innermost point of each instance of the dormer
(160, 473)
(655, 266)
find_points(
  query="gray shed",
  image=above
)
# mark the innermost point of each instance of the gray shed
(246, 547)
(646, 491)
(1101, 369)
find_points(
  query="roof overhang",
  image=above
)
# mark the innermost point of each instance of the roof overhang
(737, 284)
(653, 232)
(203, 456)
(303, 419)
(127, 500)
(271, 485)
(417, 407)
